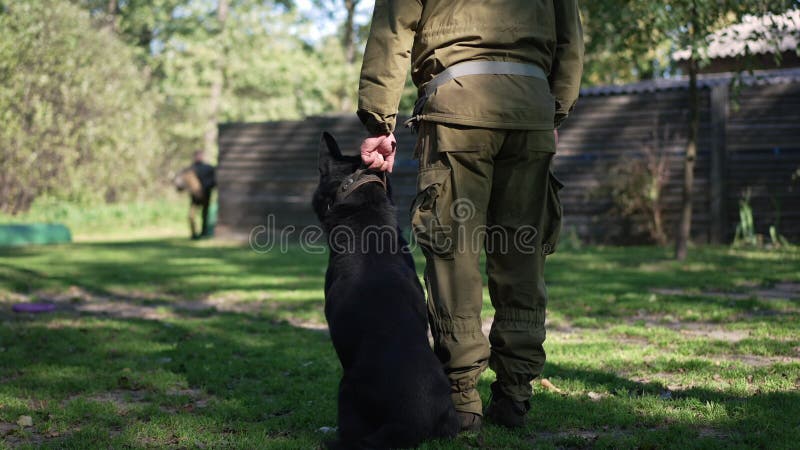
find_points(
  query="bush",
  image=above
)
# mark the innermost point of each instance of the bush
(77, 117)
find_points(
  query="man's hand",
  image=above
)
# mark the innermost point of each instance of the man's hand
(555, 134)
(377, 152)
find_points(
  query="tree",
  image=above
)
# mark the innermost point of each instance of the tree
(351, 38)
(642, 27)
(77, 116)
(210, 135)
(222, 60)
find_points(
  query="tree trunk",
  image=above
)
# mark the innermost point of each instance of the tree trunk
(111, 14)
(685, 228)
(349, 40)
(215, 96)
(349, 46)
(685, 225)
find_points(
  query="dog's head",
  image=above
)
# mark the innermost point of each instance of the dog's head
(334, 170)
(186, 180)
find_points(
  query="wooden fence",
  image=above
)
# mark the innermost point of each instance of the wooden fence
(748, 141)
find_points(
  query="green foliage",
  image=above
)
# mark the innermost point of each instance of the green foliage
(77, 116)
(778, 240)
(746, 236)
(102, 99)
(631, 40)
(636, 184)
(745, 230)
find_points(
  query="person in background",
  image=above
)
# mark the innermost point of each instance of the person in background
(199, 180)
(495, 79)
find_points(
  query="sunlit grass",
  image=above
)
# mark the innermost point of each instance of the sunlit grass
(648, 352)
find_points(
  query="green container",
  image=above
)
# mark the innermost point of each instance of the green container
(212, 220)
(33, 233)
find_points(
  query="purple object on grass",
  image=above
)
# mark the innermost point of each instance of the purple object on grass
(33, 307)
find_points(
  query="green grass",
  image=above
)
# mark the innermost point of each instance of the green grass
(209, 344)
(161, 218)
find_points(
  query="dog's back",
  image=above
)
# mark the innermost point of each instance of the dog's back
(393, 391)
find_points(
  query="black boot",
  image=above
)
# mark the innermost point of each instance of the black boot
(505, 411)
(469, 421)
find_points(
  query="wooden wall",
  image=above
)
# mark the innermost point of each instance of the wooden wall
(763, 151)
(269, 169)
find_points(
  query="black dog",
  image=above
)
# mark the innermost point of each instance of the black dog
(393, 391)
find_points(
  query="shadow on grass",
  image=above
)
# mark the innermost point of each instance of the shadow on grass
(233, 379)
(170, 267)
(647, 415)
(250, 380)
(224, 379)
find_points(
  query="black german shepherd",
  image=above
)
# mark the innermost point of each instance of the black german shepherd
(393, 392)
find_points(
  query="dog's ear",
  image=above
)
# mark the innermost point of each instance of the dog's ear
(327, 144)
(329, 153)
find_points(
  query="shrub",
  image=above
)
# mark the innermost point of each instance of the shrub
(77, 118)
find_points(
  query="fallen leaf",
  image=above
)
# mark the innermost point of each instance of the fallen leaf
(550, 386)
(666, 395)
(25, 421)
(594, 396)
(326, 429)
(750, 379)
(717, 377)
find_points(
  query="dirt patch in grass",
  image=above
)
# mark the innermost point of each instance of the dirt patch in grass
(691, 330)
(714, 332)
(122, 400)
(712, 433)
(586, 438)
(137, 305)
(7, 428)
(195, 399)
(757, 360)
(126, 400)
(306, 324)
(577, 438)
(787, 290)
(13, 435)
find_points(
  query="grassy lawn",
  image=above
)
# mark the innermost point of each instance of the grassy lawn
(162, 218)
(209, 344)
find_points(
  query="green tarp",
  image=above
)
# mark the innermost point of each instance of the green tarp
(212, 220)
(33, 233)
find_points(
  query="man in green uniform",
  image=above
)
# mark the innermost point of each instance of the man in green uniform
(495, 78)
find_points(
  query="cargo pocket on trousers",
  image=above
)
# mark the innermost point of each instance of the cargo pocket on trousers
(430, 212)
(554, 213)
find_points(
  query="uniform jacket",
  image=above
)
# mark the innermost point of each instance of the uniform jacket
(206, 174)
(432, 35)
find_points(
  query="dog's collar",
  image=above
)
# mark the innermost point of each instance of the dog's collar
(357, 179)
